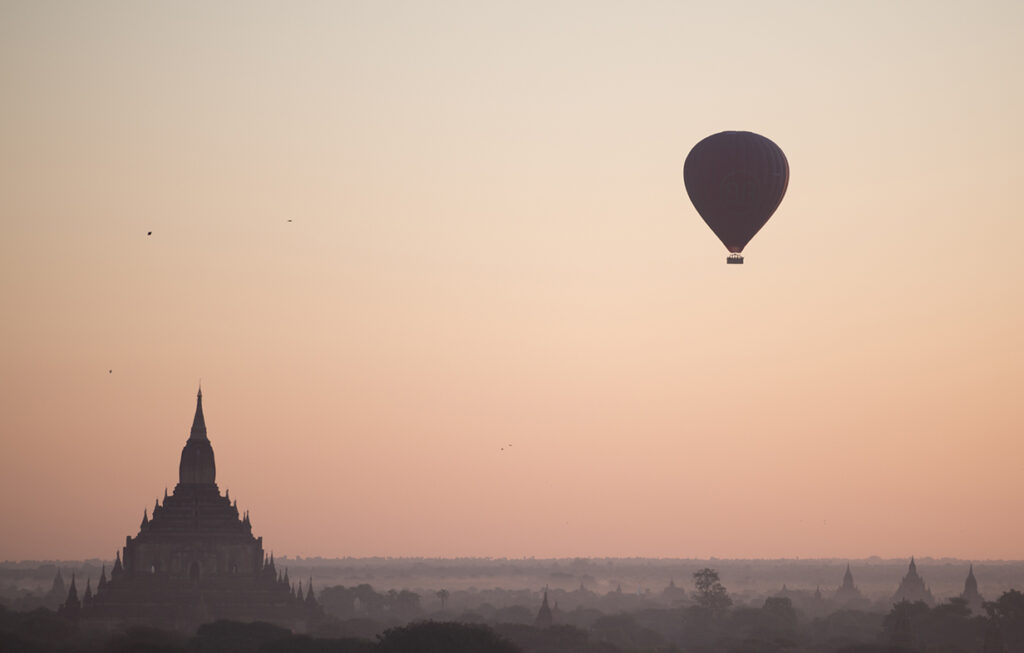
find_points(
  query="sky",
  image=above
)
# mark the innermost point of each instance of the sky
(437, 271)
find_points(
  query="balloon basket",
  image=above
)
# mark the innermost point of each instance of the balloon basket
(735, 259)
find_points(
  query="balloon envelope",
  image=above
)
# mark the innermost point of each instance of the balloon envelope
(736, 180)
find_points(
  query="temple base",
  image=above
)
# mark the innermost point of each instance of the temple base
(735, 259)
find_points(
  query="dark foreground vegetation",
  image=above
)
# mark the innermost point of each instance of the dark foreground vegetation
(360, 620)
(776, 627)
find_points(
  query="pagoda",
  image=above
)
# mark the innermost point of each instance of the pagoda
(196, 560)
(974, 599)
(912, 588)
(848, 593)
(544, 618)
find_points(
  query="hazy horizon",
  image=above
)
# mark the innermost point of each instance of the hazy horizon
(436, 268)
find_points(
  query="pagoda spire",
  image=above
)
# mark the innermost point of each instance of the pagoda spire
(848, 577)
(118, 567)
(544, 618)
(971, 584)
(197, 465)
(72, 605)
(198, 422)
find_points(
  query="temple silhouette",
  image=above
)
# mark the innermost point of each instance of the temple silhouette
(194, 561)
(848, 594)
(975, 600)
(912, 587)
(544, 617)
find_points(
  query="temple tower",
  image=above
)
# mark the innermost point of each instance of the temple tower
(970, 594)
(195, 559)
(544, 618)
(72, 605)
(847, 593)
(912, 587)
(197, 466)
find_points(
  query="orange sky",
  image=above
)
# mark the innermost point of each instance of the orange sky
(491, 245)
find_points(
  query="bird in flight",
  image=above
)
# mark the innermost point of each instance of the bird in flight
(149, 233)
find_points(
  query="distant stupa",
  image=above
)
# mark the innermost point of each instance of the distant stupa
(848, 592)
(57, 594)
(195, 560)
(912, 588)
(544, 617)
(970, 593)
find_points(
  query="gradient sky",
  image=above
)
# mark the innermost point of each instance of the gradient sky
(491, 245)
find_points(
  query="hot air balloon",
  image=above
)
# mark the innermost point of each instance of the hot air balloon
(736, 180)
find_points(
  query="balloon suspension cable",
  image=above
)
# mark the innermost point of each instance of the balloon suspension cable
(735, 259)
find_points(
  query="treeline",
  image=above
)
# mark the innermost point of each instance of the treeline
(362, 620)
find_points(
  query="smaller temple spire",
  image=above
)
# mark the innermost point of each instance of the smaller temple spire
(103, 578)
(145, 519)
(847, 592)
(58, 583)
(975, 601)
(72, 605)
(544, 617)
(118, 567)
(310, 599)
(912, 588)
(57, 592)
(88, 590)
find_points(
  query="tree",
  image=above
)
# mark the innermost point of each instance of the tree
(903, 625)
(443, 594)
(1006, 619)
(443, 637)
(338, 601)
(403, 603)
(711, 594)
(779, 617)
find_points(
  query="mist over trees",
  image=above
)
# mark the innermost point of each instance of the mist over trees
(700, 613)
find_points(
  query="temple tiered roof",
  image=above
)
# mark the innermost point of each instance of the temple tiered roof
(195, 559)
